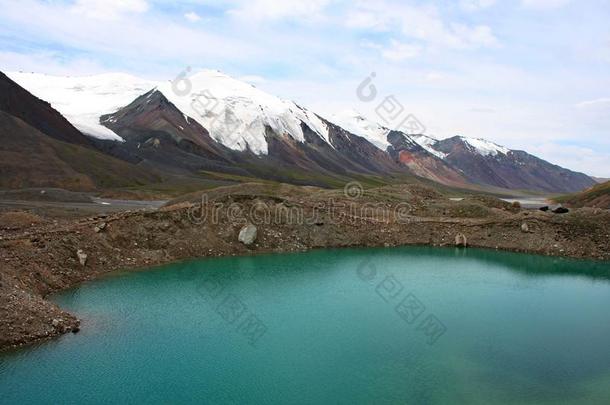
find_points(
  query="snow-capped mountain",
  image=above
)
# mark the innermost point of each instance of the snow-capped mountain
(237, 114)
(460, 160)
(212, 117)
(156, 131)
(82, 100)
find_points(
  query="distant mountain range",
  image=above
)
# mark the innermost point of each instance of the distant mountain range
(214, 123)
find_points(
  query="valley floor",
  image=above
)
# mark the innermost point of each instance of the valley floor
(41, 254)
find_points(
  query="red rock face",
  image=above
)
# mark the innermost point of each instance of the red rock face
(405, 157)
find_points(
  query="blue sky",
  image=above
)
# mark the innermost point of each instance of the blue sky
(528, 74)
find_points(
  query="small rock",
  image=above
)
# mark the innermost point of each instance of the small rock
(545, 209)
(100, 227)
(82, 257)
(461, 240)
(55, 323)
(247, 234)
(561, 210)
(525, 227)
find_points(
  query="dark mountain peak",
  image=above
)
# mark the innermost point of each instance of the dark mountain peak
(153, 110)
(149, 102)
(401, 141)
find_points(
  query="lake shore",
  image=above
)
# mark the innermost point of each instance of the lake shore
(40, 256)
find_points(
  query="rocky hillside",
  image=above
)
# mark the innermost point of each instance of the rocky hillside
(486, 163)
(597, 196)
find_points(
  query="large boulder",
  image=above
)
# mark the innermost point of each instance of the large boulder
(247, 234)
(461, 240)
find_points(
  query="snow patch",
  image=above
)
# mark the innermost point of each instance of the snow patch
(485, 148)
(355, 123)
(427, 142)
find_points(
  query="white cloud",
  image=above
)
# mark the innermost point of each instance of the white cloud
(423, 23)
(398, 51)
(544, 4)
(473, 37)
(147, 40)
(261, 10)
(366, 20)
(109, 9)
(192, 16)
(483, 110)
(53, 64)
(434, 76)
(476, 5)
(604, 51)
(597, 103)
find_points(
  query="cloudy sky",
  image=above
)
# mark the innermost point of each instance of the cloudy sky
(528, 74)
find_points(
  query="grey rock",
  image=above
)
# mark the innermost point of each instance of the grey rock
(247, 234)
(525, 227)
(461, 240)
(82, 257)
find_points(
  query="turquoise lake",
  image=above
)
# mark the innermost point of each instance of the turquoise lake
(356, 326)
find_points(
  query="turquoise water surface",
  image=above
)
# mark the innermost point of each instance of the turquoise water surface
(356, 326)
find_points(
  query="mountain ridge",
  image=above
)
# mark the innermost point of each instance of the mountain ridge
(237, 119)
